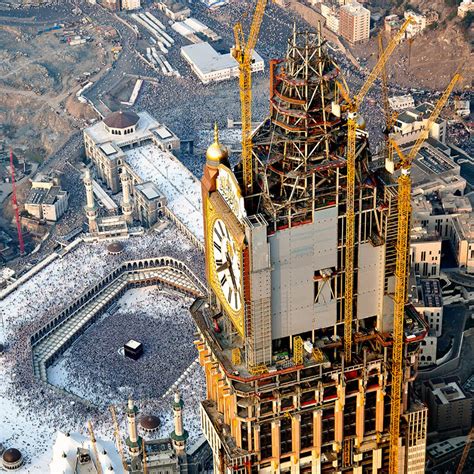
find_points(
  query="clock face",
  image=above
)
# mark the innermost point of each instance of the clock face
(226, 261)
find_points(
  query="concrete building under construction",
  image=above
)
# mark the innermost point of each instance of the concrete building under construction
(282, 396)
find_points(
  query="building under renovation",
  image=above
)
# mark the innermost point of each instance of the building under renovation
(282, 395)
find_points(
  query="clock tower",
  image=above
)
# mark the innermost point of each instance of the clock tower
(281, 394)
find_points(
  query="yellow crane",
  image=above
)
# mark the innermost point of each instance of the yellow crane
(242, 52)
(401, 272)
(98, 466)
(353, 105)
(465, 453)
(117, 437)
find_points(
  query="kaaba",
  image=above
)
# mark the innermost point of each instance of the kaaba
(133, 349)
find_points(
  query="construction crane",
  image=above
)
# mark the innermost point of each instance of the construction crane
(242, 52)
(21, 243)
(145, 465)
(98, 466)
(465, 453)
(353, 105)
(117, 437)
(401, 272)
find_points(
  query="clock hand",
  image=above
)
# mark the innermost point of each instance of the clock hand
(231, 270)
(224, 266)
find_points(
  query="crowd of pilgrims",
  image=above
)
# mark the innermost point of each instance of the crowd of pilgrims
(39, 299)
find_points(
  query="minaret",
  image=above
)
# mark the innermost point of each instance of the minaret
(126, 201)
(179, 435)
(134, 442)
(90, 208)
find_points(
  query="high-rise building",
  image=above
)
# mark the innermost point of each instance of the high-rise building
(281, 394)
(354, 22)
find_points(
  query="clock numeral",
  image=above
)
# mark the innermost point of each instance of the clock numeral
(217, 246)
(219, 262)
(236, 300)
(219, 236)
(229, 295)
(219, 223)
(223, 280)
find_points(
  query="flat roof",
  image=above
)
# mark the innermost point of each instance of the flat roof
(174, 181)
(101, 136)
(149, 190)
(108, 149)
(431, 291)
(133, 344)
(205, 58)
(450, 392)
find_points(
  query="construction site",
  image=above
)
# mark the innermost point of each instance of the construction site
(308, 340)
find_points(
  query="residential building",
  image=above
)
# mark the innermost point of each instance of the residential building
(412, 121)
(46, 200)
(130, 4)
(401, 102)
(427, 299)
(450, 408)
(112, 5)
(392, 23)
(174, 9)
(425, 251)
(354, 22)
(465, 7)
(418, 26)
(462, 239)
(332, 17)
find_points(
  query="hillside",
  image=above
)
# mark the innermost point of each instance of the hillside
(435, 54)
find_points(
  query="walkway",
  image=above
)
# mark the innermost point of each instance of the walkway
(50, 342)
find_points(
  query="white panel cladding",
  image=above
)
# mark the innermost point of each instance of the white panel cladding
(296, 254)
(370, 283)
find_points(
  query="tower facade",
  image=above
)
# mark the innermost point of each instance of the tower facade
(127, 207)
(281, 396)
(133, 441)
(179, 434)
(90, 207)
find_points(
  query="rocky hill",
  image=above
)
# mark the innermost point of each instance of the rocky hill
(436, 53)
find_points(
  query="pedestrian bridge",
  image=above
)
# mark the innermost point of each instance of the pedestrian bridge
(53, 339)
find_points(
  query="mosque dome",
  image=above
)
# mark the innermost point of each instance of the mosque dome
(12, 459)
(121, 119)
(149, 422)
(115, 248)
(216, 153)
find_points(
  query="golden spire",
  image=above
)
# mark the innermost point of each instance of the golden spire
(216, 153)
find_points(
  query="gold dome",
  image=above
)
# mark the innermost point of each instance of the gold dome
(216, 153)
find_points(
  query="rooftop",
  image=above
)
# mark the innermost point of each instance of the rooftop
(174, 181)
(149, 190)
(431, 293)
(121, 119)
(101, 136)
(208, 60)
(448, 393)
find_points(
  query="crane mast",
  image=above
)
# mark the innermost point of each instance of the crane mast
(242, 52)
(401, 274)
(21, 243)
(465, 452)
(353, 107)
(94, 447)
